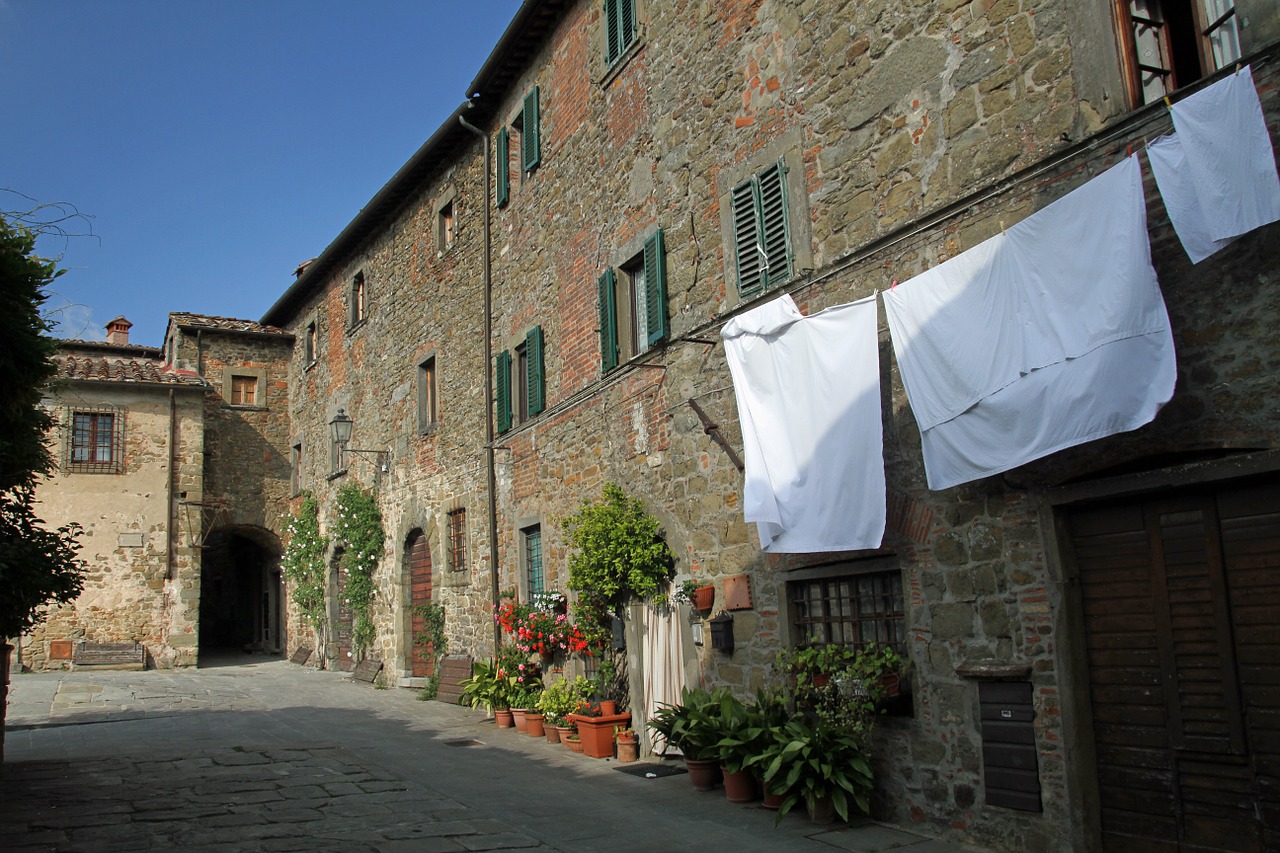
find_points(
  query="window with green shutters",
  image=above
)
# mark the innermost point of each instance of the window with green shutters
(530, 143)
(761, 232)
(520, 382)
(502, 190)
(620, 28)
(633, 306)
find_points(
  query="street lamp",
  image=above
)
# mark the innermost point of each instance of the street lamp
(340, 432)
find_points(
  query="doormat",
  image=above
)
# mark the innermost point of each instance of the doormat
(648, 770)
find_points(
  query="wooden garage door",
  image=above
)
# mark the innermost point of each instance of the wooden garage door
(1182, 619)
(418, 559)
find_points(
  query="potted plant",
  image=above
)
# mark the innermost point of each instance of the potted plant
(559, 700)
(490, 688)
(695, 728)
(628, 745)
(744, 734)
(820, 764)
(815, 665)
(878, 668)
(696, 595)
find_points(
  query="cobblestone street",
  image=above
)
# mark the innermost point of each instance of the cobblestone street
(264, 755)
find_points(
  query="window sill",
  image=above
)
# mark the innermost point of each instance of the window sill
(430, 429)
(310, 364)
(243, 408)
(336, 474)
(623, 59)
(355, 327)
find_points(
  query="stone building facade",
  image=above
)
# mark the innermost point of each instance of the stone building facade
(531, 308)
(129, 438)
(175, 461)
(627, 142)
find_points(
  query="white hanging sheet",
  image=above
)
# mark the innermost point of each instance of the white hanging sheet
(1049, 335)
(1228, 154)
(1169, 165)
(808, 392)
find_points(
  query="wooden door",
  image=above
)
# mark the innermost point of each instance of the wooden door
(344, 618)
(418, 559)
(1181, 599)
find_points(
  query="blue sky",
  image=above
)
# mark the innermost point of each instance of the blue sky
(214, 145)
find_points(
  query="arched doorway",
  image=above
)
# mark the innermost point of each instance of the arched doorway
(417, 561)
(342, 616)
(241, 607)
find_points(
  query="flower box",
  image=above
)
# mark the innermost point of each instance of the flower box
(597, 733)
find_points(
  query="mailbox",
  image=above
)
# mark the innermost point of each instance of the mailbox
(722, 633)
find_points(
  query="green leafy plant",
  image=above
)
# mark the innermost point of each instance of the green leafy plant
(696, 725)
(617, 554)
(808, 759)
(488, 687)
(303, 562)
(561, 698)
(433, 638)
(360, 528)
(749, 729)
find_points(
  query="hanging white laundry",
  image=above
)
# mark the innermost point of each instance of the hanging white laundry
(1169, 165)
(1228, 154)
(1049, 335)
(808, 392)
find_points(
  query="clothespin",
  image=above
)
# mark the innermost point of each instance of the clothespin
(1002, 231)
(1168, 103)
(1128, 148)
(895, 284)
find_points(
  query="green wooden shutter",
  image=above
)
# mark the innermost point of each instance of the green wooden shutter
(502, 192)
(529, 141)
(775, 234)
(502, 381)
(608, 322)
(536, 375)
(620, 27)
(655, 288)
(746, 236)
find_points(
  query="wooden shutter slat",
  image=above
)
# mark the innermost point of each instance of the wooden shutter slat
(613, 30)
(502, 381)
(746, 236)
(502, 192)
(775, 236)
(655, 287)
(608, 322)
(529, 141)
(536, 375)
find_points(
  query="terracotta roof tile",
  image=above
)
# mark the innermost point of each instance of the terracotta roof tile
(140, 371)
(225, 324)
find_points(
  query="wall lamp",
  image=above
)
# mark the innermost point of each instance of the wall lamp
(340, 432)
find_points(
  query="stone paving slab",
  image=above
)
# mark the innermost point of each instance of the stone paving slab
(269, 756)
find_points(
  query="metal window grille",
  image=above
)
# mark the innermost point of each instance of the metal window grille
(533, 561)
(95, 441)
(458, 540)
(851, 610)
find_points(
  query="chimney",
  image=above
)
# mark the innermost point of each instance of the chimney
(118, 331)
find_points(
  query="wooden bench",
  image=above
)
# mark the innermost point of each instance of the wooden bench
(452, 673)
(109, 656)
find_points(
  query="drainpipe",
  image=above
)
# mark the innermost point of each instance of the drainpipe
(488, 359)
(170, 569)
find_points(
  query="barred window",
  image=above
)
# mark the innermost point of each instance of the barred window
(458, 540)
(852, 610)
(96, 441)
(534, 575)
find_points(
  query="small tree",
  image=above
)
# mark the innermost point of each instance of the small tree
(38, 566)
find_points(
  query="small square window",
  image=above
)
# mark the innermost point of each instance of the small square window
(458, 540)
(244, 390)
(427, 410)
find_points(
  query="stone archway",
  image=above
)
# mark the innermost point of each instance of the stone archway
(241, 601)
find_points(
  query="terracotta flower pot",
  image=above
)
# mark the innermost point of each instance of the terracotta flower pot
(533, 724)
(552, 733)
(739, 787)
(503, 717)
(597, 733)
(771, 800)
(608, 707)
(517, 714)
(574, 743)
(704, 597)
(628, 751)
(704, 775)
(565, 731)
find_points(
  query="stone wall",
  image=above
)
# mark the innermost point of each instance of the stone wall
(142, 580)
